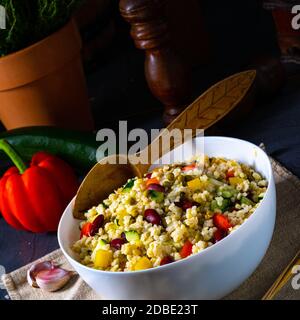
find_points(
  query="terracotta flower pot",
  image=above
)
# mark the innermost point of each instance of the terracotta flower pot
(44, 84)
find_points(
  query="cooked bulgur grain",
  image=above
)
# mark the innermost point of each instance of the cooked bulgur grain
(175, 211)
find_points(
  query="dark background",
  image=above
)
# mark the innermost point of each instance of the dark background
(239, 32)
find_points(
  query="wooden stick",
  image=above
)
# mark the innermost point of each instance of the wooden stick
(282, 280)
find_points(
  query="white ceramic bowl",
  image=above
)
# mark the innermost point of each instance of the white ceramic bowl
(210, 274)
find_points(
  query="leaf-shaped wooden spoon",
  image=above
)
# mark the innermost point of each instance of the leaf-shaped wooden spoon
(210, 107)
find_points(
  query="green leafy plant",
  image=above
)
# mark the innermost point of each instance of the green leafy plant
(28, 21)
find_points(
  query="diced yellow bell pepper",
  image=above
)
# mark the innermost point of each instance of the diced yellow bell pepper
(142, 264)
(120, 216)
(195, 184)
(133, 212)
(103, 258)
(235, 180)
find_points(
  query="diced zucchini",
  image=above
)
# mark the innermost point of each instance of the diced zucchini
(101, 243)
(247, 201)
(214, 205)
(132, 236)
(156, 196)
(227, 194)
(225, 204)
(215, 182)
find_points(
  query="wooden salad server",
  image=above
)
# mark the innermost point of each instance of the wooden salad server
(205, 111)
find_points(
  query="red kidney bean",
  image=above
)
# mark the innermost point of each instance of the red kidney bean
(185, 204)
(152, 216)
(219, 235)
(117, 243)
(156, 187)
(96, 224)
(166, 260)
(149, 175)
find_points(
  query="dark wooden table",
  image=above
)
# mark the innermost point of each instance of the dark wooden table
(277, 124)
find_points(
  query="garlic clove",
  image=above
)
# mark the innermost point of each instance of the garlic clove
(48, 276)
(35, 269)
(53, 279)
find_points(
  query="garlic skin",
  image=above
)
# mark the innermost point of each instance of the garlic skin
(54, 279)
(35, 269)
(47, 276)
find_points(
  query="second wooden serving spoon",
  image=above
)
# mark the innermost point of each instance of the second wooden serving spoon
(210, 107)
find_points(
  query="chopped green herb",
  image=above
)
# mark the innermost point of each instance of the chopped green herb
(128, 186)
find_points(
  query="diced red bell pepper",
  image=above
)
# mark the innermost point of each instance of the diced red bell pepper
(189, 167)
(230, 174)
(152, 181)
(86, 229)
(221, 222)
(186, 250)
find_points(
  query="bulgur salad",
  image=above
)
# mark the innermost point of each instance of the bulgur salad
(171, 213)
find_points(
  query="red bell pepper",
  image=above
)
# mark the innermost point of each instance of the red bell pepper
(221, 222)
(189, 167)
(152, 181)
(186, 250)
(34, 198)
(86, 230)
(229, 174)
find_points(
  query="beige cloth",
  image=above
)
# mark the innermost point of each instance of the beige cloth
(284, 246)
(18, 288)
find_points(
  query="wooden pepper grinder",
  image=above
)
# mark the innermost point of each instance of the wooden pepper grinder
(168, 78)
